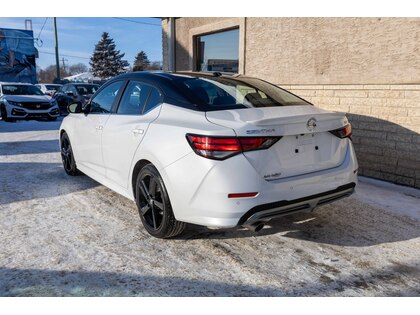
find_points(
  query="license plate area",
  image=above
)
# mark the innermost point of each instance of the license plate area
(306, 139)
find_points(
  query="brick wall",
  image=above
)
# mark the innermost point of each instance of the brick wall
(386, 125)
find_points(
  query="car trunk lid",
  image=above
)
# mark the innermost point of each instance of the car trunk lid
(306, 145)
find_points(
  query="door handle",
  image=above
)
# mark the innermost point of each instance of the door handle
(138, 131)
(100, 127)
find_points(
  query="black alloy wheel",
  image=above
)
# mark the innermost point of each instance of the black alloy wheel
(67, 157)
(154, 206)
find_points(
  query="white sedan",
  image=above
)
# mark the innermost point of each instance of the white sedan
(209, 149)
(25, 101)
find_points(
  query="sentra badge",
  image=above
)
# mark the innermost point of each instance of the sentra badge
(259, 131)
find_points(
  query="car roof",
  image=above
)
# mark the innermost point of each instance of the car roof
(15, 83)
(81, 84)
(168, 84)
(159, 76)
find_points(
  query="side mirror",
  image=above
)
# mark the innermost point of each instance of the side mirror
(75, 108)
(86, 107)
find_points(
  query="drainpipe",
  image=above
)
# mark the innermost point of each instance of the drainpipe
(171, 45)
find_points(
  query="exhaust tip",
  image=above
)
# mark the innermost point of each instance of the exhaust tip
(259, 227)
(255, 227)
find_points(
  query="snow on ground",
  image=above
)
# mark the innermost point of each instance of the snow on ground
(389, 196)
(62, 235)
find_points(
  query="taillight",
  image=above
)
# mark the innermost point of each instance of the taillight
(220, 148)
(243, 195)
(344, 132)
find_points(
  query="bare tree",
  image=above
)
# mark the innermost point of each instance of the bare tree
(78, 68)
(155, 65)
(48, 74)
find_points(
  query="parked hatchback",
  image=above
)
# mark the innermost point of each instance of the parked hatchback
(48, 89)
(212, 150)
(25, 101)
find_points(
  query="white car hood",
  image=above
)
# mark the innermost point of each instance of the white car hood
(27, 98)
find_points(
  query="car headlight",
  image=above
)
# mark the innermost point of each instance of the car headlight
(14, 103)
(53, 103)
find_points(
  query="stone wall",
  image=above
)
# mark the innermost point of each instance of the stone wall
(165, 26)
(334, 50)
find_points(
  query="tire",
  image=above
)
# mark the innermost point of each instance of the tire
(67, 156)
(154, 205)
(4, 115)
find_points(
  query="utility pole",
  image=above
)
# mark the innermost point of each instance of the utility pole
(64, 65)
(57, 59)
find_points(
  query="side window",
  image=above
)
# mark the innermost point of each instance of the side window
(134, 98)
(154, 100)
(72, 89)
(102, 103)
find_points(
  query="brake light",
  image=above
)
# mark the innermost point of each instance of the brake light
(344, 132)
(243, 195)
(220, 148)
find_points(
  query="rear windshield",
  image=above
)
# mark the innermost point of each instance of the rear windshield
(11, 89)
(87, 89)
(217, 93)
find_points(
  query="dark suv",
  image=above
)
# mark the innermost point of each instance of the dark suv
(74, 93)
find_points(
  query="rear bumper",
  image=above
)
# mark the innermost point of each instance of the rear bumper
(266, 212)
(199, 188)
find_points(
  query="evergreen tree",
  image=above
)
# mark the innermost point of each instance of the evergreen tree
(141, 62)
(106, 60)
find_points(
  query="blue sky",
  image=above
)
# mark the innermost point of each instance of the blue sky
(78, 36)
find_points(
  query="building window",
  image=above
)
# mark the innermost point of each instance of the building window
(218, 51)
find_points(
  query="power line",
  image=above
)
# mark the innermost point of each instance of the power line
(80, 57)
(133, 21)
(39, 34)
(38, 40)
(51, 53)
